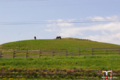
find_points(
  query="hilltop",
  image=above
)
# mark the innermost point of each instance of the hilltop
(64, 43)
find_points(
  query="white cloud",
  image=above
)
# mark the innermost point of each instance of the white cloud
(68, 32)
(109, 27)
(108, 18)
(59, 20)
(104, 33)
(109, 38)
(97, 18)
(113, 18)
(112, 27)
(107, 32)
(110, 32)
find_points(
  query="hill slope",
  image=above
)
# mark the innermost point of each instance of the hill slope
(66, 43)
(0, 47)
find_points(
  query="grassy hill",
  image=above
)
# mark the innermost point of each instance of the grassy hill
(65, 43)
(87, 62)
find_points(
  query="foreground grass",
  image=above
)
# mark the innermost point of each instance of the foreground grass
(70, 43)
(80, 62)
(47, 79)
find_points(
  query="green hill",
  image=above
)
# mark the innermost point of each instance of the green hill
(65, 43)
(0, 47)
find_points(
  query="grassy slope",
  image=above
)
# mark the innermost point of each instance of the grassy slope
(84, 62)
(46, 79)
(56, 44)
(0, 47)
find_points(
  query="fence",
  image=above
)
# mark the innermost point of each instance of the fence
(58, 52)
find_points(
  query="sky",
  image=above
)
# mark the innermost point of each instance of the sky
(97, 20)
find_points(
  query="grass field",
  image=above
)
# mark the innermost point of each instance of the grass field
(98, 62)
(82, 62)
(48, 79)
(66, 43)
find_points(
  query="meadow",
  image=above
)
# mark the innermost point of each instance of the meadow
(48, 79)
(74, 62)
(85, 62)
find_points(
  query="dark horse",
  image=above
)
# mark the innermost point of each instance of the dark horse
(58, 37)
(35, 37)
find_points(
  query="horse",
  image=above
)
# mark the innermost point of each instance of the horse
(58, 37)
(35, 37)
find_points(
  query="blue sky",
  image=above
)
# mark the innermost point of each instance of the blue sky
(97, 20)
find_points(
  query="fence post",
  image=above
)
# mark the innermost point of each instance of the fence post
(66, 52)
(92, 51)
(13, 54)
(26, 53)
(53, 53)
(39, 53)
(79, 52)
